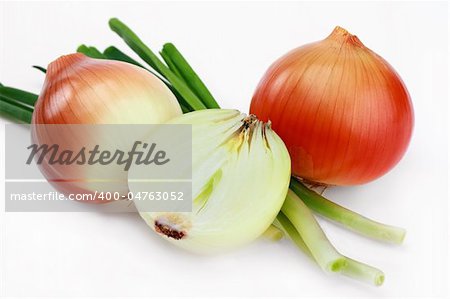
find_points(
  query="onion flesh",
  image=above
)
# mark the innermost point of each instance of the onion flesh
(240, 177)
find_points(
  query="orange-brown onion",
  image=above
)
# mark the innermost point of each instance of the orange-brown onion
(344, 113)
(79, 90)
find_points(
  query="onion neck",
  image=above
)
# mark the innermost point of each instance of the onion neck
(341, 36)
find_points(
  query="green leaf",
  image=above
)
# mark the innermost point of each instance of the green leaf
(91, 52)
(133, 41)
(42, 69)
(15, 110)
(171, 53)
(18, 95)
(115, 54)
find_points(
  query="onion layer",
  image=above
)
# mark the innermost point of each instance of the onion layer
(343, 112)
(240, 177)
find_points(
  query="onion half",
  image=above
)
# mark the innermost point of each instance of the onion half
(240, 178)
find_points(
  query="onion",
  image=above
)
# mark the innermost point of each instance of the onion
(343, 112)
(240, 178)
(82, 90)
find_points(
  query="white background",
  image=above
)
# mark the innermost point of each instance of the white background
(231, 45)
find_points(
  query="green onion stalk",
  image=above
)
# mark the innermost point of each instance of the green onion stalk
(295, 219)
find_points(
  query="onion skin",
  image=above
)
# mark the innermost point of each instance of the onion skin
(82, 90)
(343, 112)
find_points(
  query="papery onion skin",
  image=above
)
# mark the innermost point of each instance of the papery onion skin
(343, 112)
(82, 90)
(86, 91)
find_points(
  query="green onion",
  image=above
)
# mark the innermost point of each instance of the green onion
(115, 54)
(133, 41)
(363, 272)
(189, 75)
(273, 233)
(348, 218)
(15, 110)
(304, 222)
(42, 69)
(171, 65)
(352, 268)
(91, 52)
(18, 95)
(283, 223)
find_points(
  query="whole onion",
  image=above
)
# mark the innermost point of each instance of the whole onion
(79, 90)
(344, 113)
